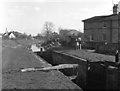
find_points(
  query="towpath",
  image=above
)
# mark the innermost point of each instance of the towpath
(15, 57)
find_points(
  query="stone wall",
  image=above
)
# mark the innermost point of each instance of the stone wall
(109, 48)
(101, 47)
(62, 58)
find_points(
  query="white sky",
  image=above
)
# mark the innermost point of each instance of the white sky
(30, 15)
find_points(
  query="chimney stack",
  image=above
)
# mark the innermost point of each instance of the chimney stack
(115, 8)
(119, 7)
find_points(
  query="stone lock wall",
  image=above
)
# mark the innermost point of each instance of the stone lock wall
(62, 58)
(92, 75)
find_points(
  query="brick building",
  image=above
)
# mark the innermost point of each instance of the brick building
(102, 29)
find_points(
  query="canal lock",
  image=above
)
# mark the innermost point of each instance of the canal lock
(71, 73)
(99, 75)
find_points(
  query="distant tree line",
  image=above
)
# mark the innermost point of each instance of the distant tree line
(67, 37)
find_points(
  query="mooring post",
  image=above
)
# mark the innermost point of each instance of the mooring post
(117, 57)
(41, 49)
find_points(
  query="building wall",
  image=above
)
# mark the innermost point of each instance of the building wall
(119, 25)
(115, 36)
(99, 29)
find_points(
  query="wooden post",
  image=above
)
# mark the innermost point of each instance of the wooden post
(112, 79)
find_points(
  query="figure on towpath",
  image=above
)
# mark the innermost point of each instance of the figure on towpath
(78, 43)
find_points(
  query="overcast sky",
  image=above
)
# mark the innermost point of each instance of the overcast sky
(30, 15)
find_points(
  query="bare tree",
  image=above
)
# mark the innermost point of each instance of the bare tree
(49, 26)
(48, 29)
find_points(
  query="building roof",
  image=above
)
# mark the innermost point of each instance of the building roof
(70, 32)
(12, 32)
(75, 32)
(11, 35)
(101, 18)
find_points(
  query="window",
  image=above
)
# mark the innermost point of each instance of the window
(104, 25)
(104, 37)
(91, 37)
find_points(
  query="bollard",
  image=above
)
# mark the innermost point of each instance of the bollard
(41, 49)
(117, 57)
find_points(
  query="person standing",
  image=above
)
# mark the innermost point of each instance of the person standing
(117, 57)
(79, 39)
(77, 44)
